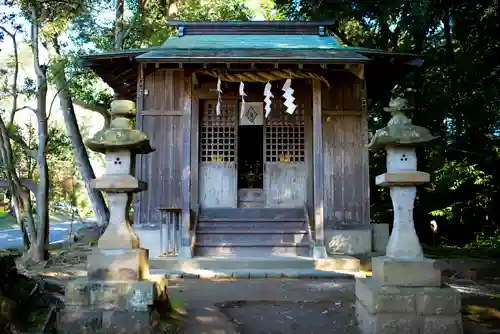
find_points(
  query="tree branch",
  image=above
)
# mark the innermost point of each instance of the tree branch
(26, 107)
(34, 43)
(52, 102)
(98, 108)
(14, 91)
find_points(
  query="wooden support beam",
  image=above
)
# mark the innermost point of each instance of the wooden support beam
(139, 106)
(318, 166)
(185, 250)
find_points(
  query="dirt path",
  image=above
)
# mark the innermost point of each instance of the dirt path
(274, 306)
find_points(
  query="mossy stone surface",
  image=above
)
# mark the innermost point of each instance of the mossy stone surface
(112, 139)
(400, 135)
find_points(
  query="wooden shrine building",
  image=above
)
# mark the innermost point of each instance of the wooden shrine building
(281, 174)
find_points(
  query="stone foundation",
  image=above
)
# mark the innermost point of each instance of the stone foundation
(348, 241)
(380, 237)
(406, 296)
(109, 306)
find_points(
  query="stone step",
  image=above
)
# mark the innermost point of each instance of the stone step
(250, 225)
(253, 274)
(237, 238)
(252, 249)
(251, 219)
(263, 263)
(246, 230)
(251, 213)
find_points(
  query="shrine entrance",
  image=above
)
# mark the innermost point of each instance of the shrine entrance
(251, 155)
(248, 160)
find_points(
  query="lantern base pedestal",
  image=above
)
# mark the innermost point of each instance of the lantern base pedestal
(406, 296)
(104, 306)
(117, 296)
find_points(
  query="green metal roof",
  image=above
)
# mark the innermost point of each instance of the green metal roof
(229, 42)
(253, 55)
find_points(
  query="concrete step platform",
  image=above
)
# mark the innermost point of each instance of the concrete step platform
(252, 274)
(253, 267)
(262, 230)
(246, 225)
(263, 249)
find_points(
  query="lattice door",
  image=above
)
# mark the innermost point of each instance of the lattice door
(285, 167)
(285, 135)
(218, 175)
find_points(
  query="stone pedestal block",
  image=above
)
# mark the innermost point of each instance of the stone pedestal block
(93, 306)
(401, 272)
(420, 310)
(380, 237)
(118, 264)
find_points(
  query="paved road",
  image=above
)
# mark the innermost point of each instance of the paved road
(59, 232)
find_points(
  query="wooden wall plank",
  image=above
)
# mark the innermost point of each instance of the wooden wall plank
(162, 91)
(195, 133)
(318, 163)
(186, 169)
(164, 126)
(366, 155)
(345, 135)
(345, 167)
(138, 117)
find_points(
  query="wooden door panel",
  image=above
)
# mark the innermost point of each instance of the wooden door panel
(218, 174)
(285, 168)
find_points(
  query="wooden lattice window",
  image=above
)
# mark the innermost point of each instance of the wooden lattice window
(218, 132)
(285, 138)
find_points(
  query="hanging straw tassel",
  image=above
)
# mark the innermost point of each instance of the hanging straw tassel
(219, 99)
(268, 94)
(242, 94)
(288, 96)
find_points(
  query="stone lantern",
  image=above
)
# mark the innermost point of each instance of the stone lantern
(118, 289)
(399, 139)
(405, 293)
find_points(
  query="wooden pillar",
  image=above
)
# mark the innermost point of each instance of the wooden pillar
(185, 249)
(318, 166)
(137, 168)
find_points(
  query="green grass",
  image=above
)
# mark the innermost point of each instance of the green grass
(482, 310)
(460, 253)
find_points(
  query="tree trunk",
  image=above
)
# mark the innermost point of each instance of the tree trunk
(39, 253)
(119, 31)
(81, 156)
(42, 204)
(28, 214)
(20, 221)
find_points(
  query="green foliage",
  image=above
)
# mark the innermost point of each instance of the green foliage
(485, 240)
(457, 99)
(215, 10)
